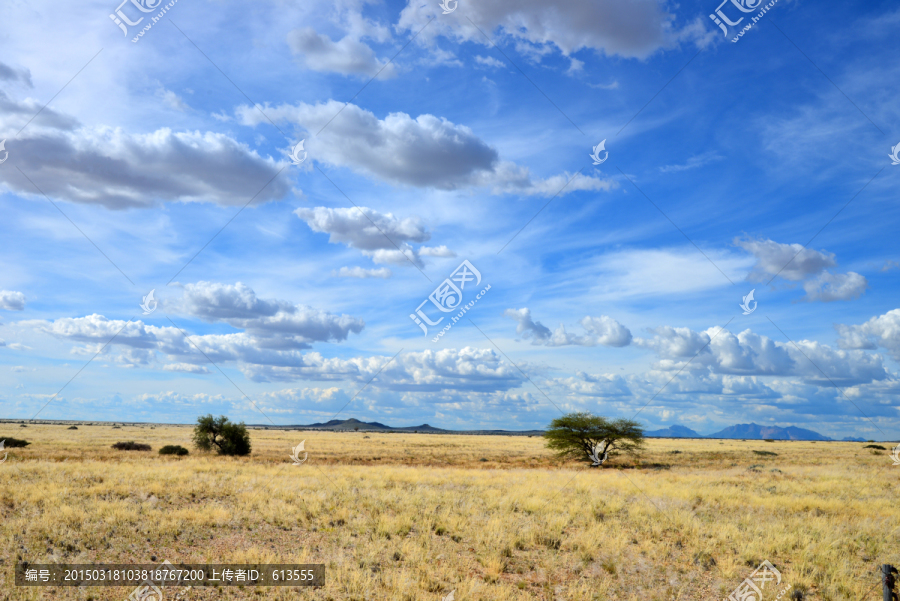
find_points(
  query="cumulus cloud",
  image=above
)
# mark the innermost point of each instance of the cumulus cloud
(595, 385)
(880, 331)
(292, 397)
(380, 236)
(269, 347)
(348, 56)
(795, 263)
(628, 29)
(272, 323)
(790, 261)
(527, 327)
(116, 169)
(600, 330)
(272, 333)
(747, 354)
(469, 368)
(829, 287)
(11, 300)
(424, 152)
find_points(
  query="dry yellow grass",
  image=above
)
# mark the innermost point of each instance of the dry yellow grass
(414, 516)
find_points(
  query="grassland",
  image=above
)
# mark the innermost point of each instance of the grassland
(415, 516)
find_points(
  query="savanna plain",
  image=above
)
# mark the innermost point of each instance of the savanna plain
(418, 516)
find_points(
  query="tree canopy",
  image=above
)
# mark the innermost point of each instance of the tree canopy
(219, 434)
(593, 438)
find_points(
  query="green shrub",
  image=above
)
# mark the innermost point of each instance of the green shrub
(874, 446)
(221, 435)
(173, 449)
(765, 453)
(131, 446)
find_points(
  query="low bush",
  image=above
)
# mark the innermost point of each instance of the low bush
(875, 446)
(765, 453)
(173, 449)
(11, 443)
(131, 446)
(72, 428)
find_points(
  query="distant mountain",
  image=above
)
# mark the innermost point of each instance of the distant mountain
(852, 439)
(673, 432)
(352, 425)
(345, 424)
(757, 432)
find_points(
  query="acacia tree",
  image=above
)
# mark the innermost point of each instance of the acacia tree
(219, 434)
(593, 438)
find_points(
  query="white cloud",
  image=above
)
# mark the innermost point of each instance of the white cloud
(488, 61)
(380, 236)
(273, 323)
(273, 333)
(795, 263)
(527, 327)
(110, 167)
(348, 56)
(470, 369)
(880, 331)
(424, 152)
(575, 66)
(775, 258)
(11, 300)
(297, 399)
(600, 330)
(595, 385)
(188, 368)
(359, 272)
(170, 398)
(634, 29)
(721, 352)
(829, 287)
(606, 331)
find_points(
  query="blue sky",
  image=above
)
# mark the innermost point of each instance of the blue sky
(761, 164)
